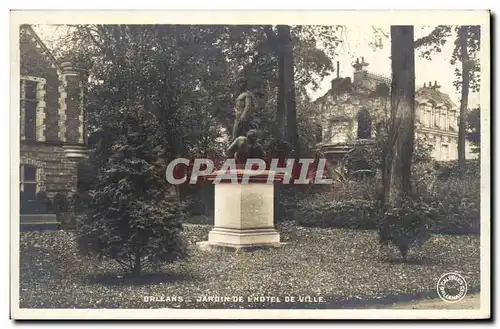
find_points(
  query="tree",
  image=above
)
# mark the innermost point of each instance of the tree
(288, 86)
(464, 100)
(396, 175)
(400, 143)
(186, 76)
(167, 65)
(127, 217)
(467, 68)
(281, 100)
(307, 52)
(474, 129)
(467, 46)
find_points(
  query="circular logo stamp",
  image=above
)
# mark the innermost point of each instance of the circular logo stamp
(451, 287)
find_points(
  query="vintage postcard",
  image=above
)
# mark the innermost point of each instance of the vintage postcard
(250, 165)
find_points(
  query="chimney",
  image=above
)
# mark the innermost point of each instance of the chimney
(424, 84)
(435, 83)
(359, 66)
(359, 71)
(338, 69)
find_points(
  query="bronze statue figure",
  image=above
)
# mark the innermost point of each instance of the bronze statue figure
(246, 104)
(246, 147)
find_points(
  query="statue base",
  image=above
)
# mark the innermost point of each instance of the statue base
(244, 213)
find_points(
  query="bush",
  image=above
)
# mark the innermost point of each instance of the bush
(458, 202)
(60, 203)
(285, 201)
(406, 224)
(199, 201)
(61, 207)
(450, 169)
(42, 203)
(351, 214)
(142, 236)
(127, 216)
(455, 202)
(366, 188)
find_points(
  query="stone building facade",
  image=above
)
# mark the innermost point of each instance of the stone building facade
(52, 121)
(352, 112)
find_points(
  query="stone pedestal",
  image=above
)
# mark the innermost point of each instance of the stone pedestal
(244, 213)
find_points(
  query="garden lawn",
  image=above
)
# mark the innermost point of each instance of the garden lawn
(344, 267)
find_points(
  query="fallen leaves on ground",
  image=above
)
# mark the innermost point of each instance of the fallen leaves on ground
(334, 264)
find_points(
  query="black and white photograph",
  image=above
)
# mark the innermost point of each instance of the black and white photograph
(166, 165)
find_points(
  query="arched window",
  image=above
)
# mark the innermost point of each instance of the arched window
(364, 124)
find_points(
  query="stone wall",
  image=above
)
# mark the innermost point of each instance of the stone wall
(60, 128)
(57, 173)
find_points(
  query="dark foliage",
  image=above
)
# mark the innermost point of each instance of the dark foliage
(127, 216)
(353, 214)
(450, 169)
(474, 129)
(42, 203)
(61, 207)
(405, 225)
(60, 203)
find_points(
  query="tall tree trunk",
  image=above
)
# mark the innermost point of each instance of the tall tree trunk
(399, 151)
(289, 90)
(464, 99)
(280, 110)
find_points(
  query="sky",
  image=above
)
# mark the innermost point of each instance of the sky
(357, 44)
(357, 39)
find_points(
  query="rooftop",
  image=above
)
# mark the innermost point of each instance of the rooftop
(427, 94)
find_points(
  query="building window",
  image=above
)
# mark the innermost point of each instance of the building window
(319, 133)
(32, 91)
(428, 116)
(445, 152)
(454, 121)
(379, 129)
(364, 125)
(28, 186)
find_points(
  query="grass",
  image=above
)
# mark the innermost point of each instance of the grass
(344, 267)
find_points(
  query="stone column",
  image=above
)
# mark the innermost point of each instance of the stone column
(62, 107)
(72, 115)
(40, 110)
(23, 113)
(72, 103)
